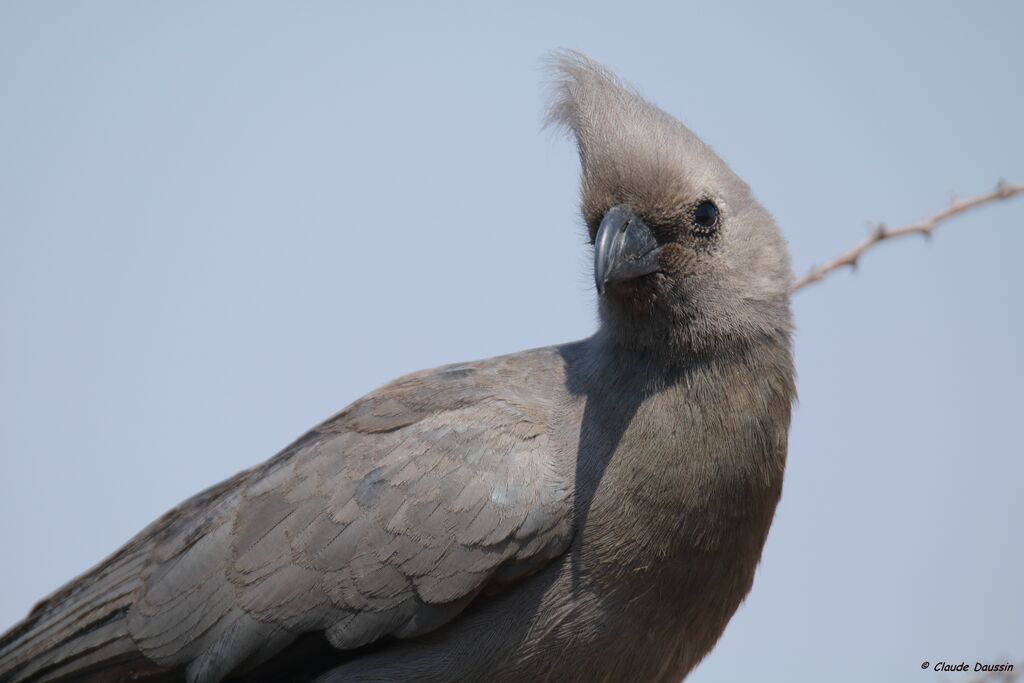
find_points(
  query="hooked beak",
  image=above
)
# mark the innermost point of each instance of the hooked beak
(624, 248)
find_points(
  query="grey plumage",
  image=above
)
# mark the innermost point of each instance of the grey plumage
(591, 511)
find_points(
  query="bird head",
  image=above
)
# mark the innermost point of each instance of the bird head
(685, 258)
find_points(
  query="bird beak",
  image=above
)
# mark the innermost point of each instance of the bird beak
(624, 248)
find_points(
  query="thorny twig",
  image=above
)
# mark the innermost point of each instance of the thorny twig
(922, 227)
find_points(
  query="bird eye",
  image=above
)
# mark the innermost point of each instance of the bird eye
(705, 217)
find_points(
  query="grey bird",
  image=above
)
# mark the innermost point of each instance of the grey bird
(593, 511)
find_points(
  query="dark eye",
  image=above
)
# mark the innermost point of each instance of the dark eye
(705, 217)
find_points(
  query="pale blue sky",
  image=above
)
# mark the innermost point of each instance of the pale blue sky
(220, 223)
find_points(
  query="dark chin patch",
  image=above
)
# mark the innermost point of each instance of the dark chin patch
(636, 300)
(644, 285)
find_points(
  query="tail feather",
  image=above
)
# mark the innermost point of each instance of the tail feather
(81, 628)
(80, 632)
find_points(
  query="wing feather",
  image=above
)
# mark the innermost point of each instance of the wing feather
(387, 519)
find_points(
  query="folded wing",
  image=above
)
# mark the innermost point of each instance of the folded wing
(387, 519)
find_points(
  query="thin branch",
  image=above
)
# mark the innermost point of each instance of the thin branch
(924, 227)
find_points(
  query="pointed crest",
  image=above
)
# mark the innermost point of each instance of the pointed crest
(628, 147)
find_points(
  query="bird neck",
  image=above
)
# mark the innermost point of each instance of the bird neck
(658, 358)
(667, 335)
(701, 431)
